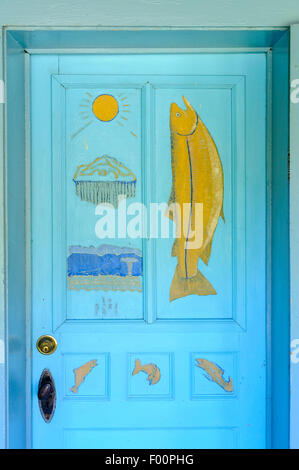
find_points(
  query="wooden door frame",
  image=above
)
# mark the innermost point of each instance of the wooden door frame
(18, 45)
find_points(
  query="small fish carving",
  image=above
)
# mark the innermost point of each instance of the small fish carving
(215, 374)
(81, 373)
(152, 371)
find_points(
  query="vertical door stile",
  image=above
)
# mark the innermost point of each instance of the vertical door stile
(148, 169)
(58, 199)
(294, 236)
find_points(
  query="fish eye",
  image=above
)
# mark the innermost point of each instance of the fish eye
(178, 114)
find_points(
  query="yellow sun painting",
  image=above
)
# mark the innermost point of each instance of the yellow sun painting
(105, 108)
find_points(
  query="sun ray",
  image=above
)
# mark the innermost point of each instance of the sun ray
(81, 129)
(105, 107)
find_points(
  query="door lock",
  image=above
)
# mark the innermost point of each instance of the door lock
(46, 344)
(46, 395)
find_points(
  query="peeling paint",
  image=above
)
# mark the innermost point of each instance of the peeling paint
(215, 374)
(81, 373)
(295, 351)
(109, 307)
(104, 311)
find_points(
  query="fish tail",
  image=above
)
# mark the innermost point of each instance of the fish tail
(181, 286)
(150, 379)
(137, 368)
(228, 386)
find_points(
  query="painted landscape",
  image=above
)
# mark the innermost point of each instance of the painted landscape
(107, 267)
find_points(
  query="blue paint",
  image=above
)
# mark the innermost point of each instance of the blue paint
(73, 437)
(15, 281)
(232, 321)
(108, 264)
(294, 244)
(3, 410)
(151, 39)
(280, 302)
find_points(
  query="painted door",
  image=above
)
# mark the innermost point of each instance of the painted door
(161, 343)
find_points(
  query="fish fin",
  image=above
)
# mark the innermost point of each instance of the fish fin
(222, 214)
(137, 367)
(207, 376)
(229, 387)
(221, 371)
(181, 287)
(174, 248)
(171, 197)
(169, 213)
(205, 255)
(169, 210)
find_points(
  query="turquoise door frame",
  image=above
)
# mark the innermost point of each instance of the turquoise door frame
(16, 155)
(294, 234)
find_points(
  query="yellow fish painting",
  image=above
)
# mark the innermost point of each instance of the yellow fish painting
(215, 373)
(197, 177)
(152, 371)
(81, 373)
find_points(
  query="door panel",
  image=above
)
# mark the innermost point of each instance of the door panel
(134, 369)
(75, 212)
(220, 101)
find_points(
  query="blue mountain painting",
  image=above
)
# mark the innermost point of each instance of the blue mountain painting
(104, 260)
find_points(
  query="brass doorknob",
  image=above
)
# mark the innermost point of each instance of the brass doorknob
(46, 344)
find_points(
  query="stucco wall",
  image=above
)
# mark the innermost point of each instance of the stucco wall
(149, 12)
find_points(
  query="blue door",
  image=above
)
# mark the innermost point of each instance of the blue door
(148, 176)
